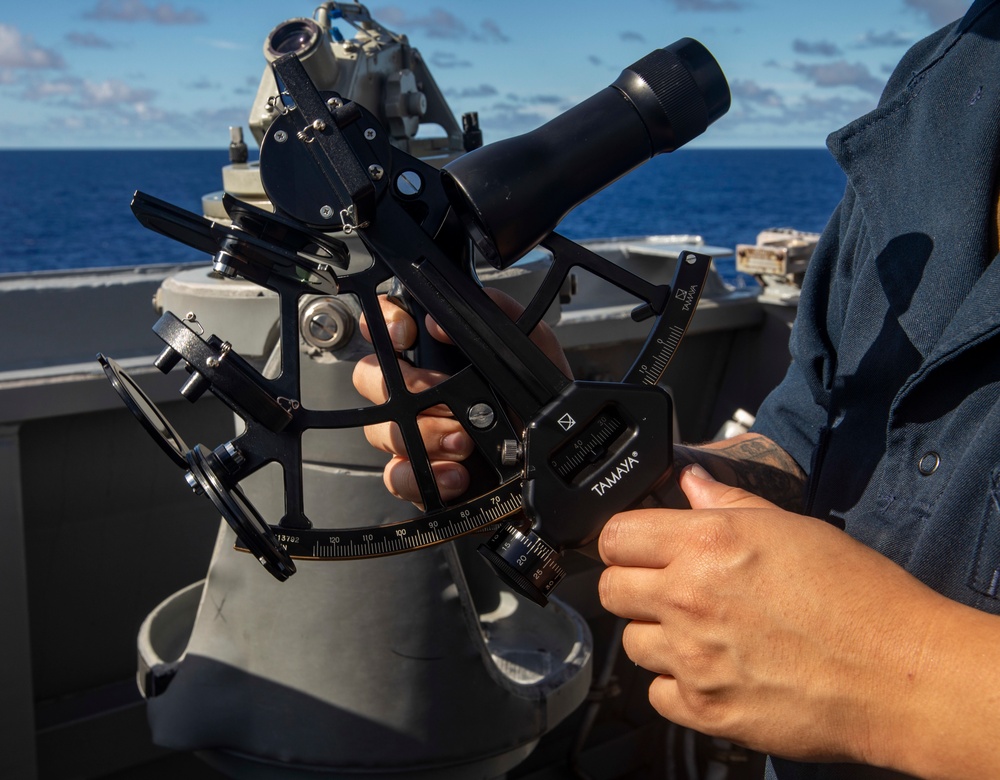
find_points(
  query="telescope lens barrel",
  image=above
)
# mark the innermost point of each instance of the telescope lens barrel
(310, 43)
(295, 36)
(678, 91)
(513, 193)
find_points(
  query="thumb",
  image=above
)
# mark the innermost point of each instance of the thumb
(703, 491)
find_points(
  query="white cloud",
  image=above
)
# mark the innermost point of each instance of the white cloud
(140, 11)
(448, 59)
(225, 45)
(482, 91)
(939, 12)
(88, 40)
(83, 94)
(841, 74)
(438, 23)
(113, 92)
(821, 48)
(20, 51)
(874, 40)
(752, 92)
(53, 88)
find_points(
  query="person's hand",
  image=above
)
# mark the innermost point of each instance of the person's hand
(446, 441)
(777, 631)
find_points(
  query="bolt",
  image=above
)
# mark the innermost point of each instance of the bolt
(231, 457)
(323, 327)
(568, 289)
(281, 136)
(370, 134)
(192, 483)
(376, 172)
(326, 324)
(195, 386)
(326, 212)
(318, 125)
(409, 183)
(481, 416)
(334, 103)
(224, 264)
(167, 359)
(511, 452)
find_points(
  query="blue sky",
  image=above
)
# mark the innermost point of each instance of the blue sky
(151, 74)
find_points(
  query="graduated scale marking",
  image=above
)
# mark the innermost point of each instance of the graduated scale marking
(652, 371)
(479, 515)
(587, 452)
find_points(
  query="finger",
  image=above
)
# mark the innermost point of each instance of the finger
(443, 437)
(665, 696)
(631, 592)
(652, 538)
(370, 382)
(646, 645)
(452, 479)
(642, 537)
(402, 329)
(704, 492)
(543, 336)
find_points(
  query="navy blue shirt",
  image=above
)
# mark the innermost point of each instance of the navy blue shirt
(892, 401)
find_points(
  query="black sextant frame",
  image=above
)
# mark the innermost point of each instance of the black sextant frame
(551, 443)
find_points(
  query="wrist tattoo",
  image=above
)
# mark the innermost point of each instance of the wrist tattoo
(752, 462)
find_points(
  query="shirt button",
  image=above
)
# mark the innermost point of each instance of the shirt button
(929, 463)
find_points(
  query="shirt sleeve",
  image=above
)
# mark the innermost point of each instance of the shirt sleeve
(791, 418)
(795, 414)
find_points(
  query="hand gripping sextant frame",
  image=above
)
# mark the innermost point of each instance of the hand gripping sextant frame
(562, 456)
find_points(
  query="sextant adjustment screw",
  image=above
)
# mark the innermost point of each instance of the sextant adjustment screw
(409, 183)
(334, 103)
(281, 136)
(192, 483)
(167, 359)
(322, 327)
(370, 134)
(224, 264)
(326, 323)
(376, 172)
(195, 386)
(231, 457)
(326, 212)
(570, 287)
(481, 416)
(510, 452)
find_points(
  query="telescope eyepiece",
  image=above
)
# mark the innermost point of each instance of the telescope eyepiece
(513, 193)
(678, 90)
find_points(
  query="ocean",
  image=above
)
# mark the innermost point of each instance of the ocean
(70, 209)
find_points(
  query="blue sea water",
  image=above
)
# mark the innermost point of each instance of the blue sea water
(70, 209)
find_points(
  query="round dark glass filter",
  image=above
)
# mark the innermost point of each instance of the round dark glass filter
(145, 411)
(253, 532)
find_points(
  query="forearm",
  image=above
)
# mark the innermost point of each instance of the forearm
(749, 461)
(942, 704)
